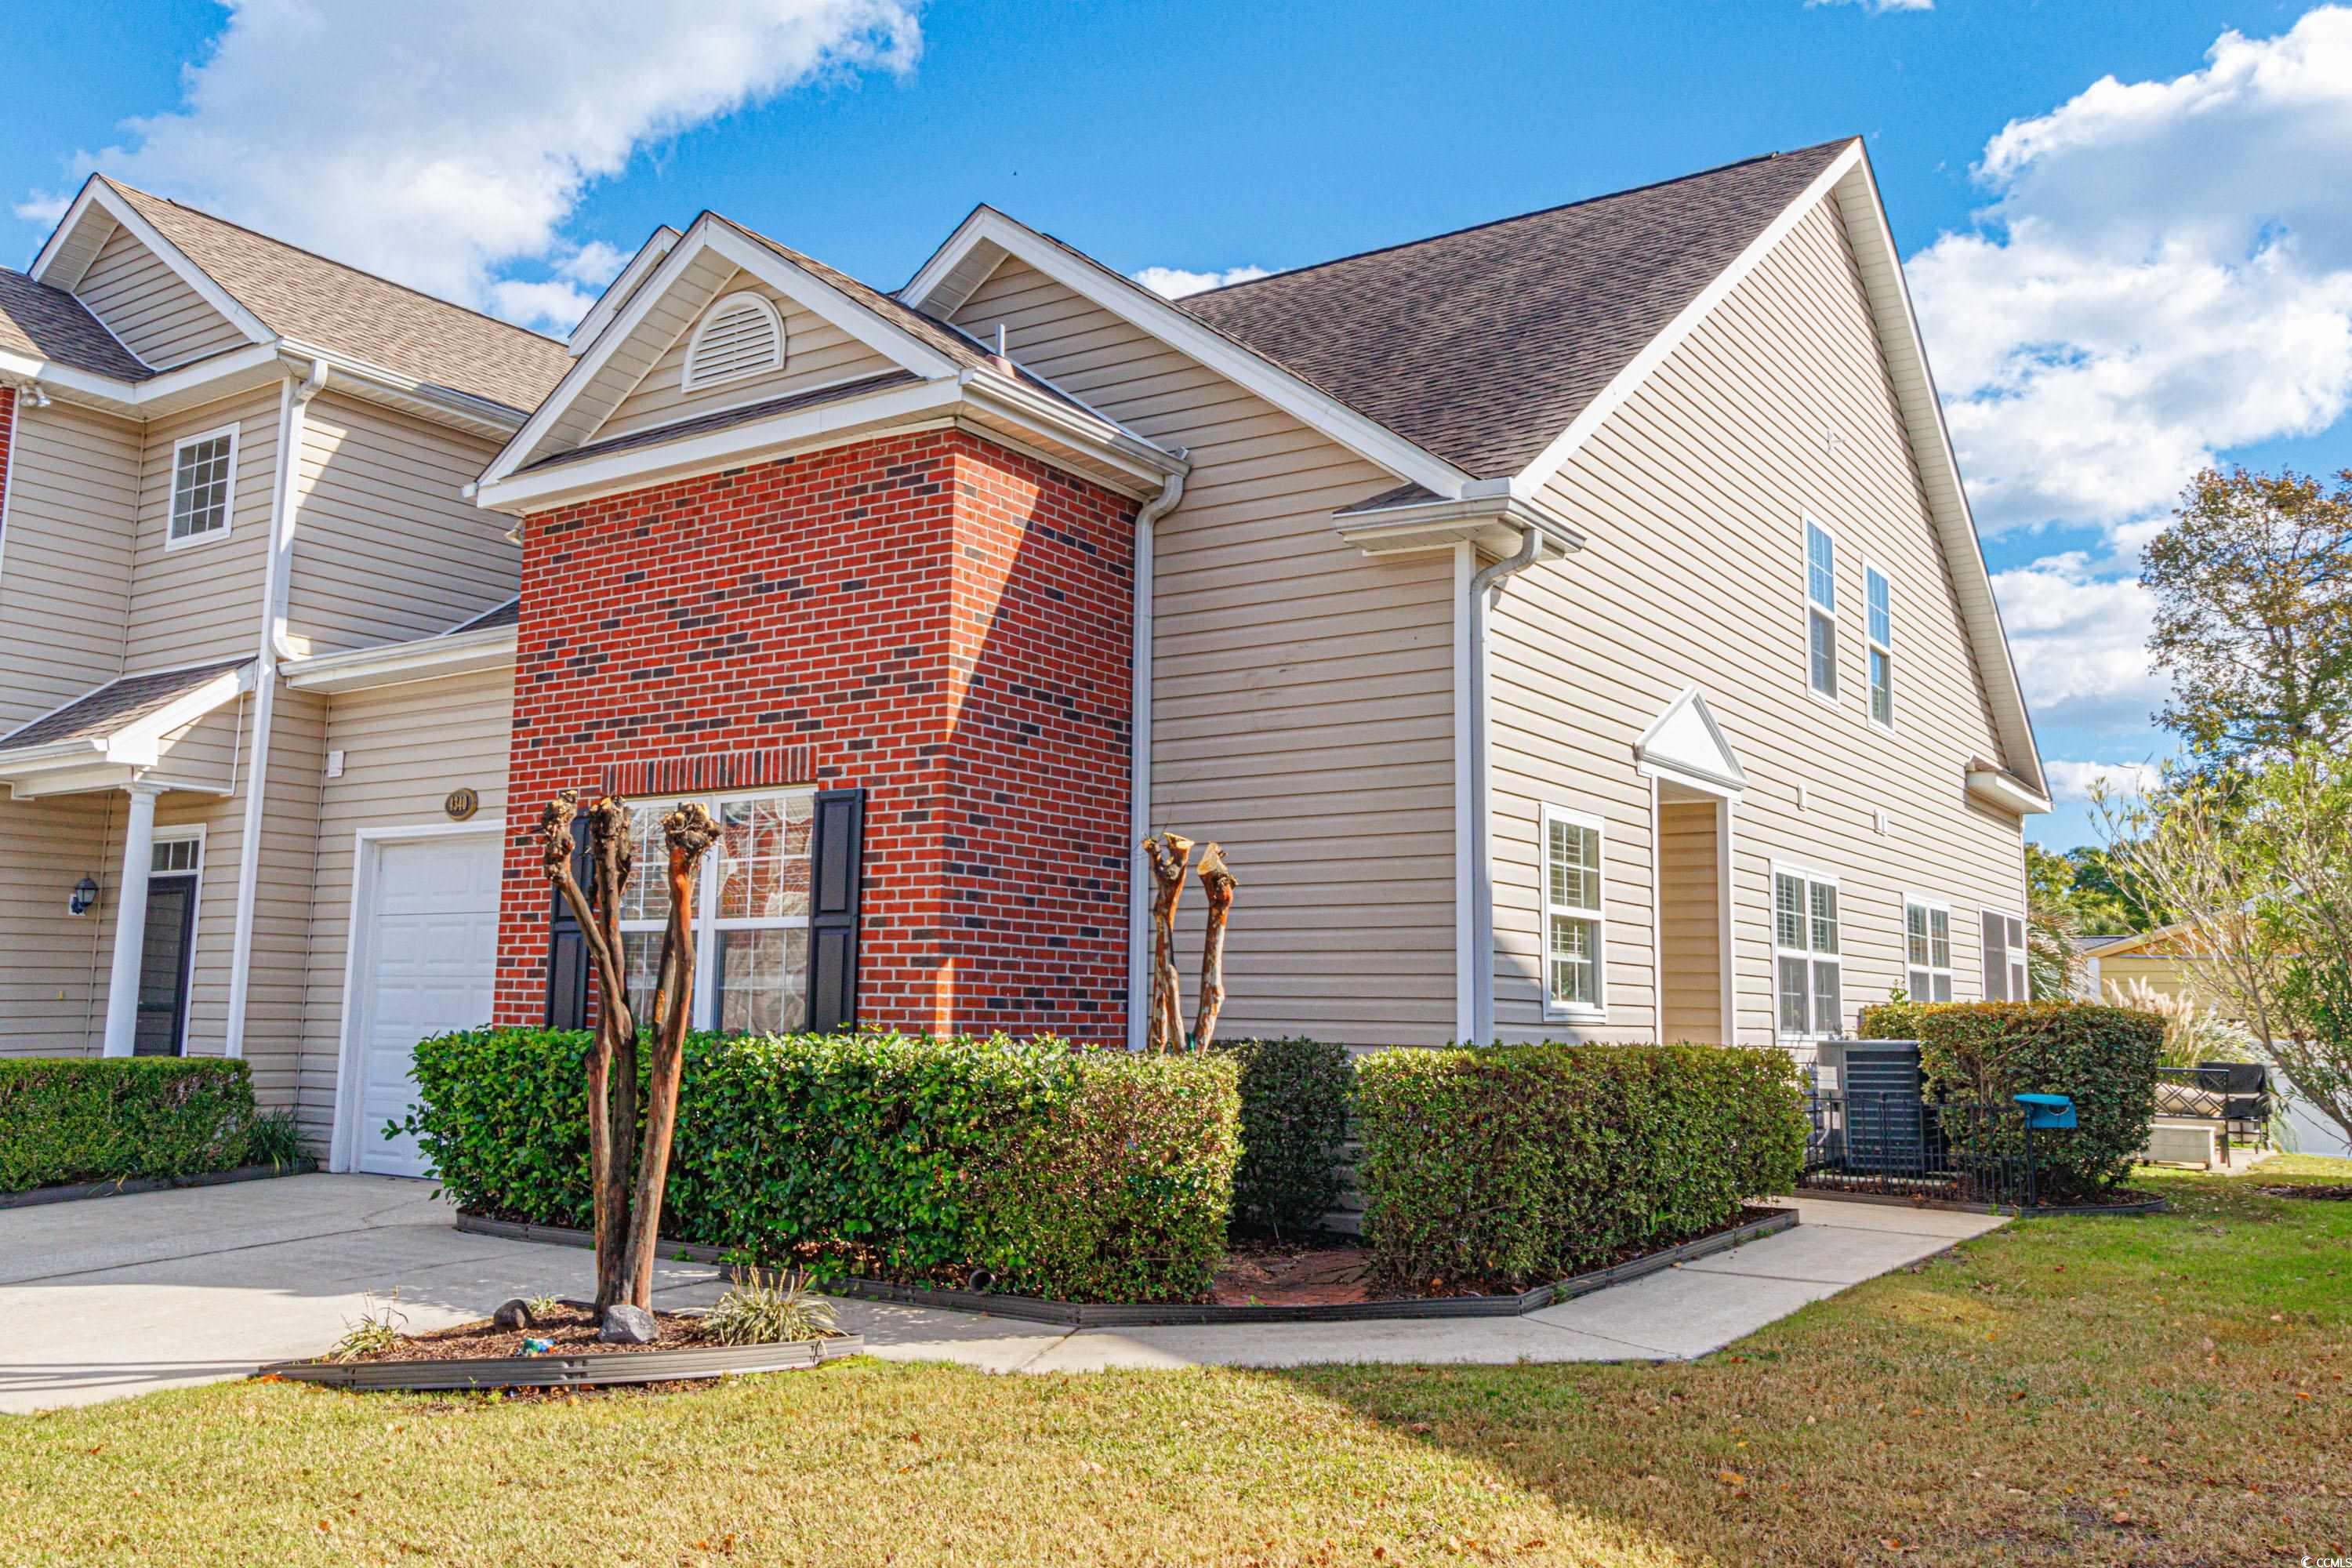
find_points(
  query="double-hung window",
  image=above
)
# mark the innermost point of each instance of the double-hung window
(751, 920)
(1821, 611)
(1926, 949)
(1879, 600)
(1573, 924)
(1806, 963)
(2004, 958)
(204, 485)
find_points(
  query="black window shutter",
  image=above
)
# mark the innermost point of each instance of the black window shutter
(567, 950)
(837, 879)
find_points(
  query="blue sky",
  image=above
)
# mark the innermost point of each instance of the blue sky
(2118, 280)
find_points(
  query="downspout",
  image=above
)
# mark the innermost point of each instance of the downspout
(293, 398)
(1482, 845)
(1138, 751)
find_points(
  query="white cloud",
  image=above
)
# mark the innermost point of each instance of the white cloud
(1174, 282)
(2165, 273)
(1877, 7)
(446, 142)
(2081, 643)
(2075, 781)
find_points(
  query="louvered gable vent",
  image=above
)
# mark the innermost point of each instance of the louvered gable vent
(740, 335)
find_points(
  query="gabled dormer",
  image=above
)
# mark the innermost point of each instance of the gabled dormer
(141, 287)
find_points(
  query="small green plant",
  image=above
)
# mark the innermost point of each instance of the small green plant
(373, 1332)
(543, 1306)
(770, 1308)
(274, 1138)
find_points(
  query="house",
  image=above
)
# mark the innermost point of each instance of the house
(1571, 626)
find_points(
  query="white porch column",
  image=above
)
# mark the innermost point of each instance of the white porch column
(130, 921)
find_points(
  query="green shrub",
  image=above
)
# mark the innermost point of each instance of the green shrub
(112, 1119)
(1983, 1053)
(1077, 1176)
(1514, 1165)
(1295, 1097)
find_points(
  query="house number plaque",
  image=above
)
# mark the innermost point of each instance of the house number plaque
(461, 804)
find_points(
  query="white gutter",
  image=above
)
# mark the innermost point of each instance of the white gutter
(1139, 750)
(396, 663)
(292, 400)
(1481, 979)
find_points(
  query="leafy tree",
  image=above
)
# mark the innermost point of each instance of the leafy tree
(2258, 862)
(2252, 580)
(2110, 899)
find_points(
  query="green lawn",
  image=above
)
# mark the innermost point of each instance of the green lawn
(2156, 1391)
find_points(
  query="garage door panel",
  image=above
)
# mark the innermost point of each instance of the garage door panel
(430, 957)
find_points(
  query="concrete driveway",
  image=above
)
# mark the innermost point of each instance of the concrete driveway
(120, 1296)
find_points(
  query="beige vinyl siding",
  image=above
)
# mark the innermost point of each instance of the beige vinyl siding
(1690, 927)
(1302, 694)
(386, 547)
(817, 352)
(207, 753)
(203, 599)
(52, 977)
(65, 558)
(667, 319)
(404, 749)
(1692, 496)
(156, 312)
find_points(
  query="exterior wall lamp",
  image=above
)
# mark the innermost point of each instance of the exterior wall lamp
(85, 895)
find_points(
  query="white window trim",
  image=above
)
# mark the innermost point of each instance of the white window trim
(187, 833)
(1788, 868)
(1869, 644)
(228, 493)
(1555, 1011)
(707, 922)
(1810, 608)
(1948, 969)
(689, 382)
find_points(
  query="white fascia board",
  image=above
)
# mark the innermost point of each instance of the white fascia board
(96, 191)
(805, 288)
(622, 289)
(140, 395)
(643, 465)
(1996, 787)
(1491, 520)
(379, 383)
(1940, 469)
(1147, 312)
(1102, 439)
(1531, 479)
(397, 664)
(140, 743)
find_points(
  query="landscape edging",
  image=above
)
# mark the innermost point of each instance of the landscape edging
(1104, 1315)
(74, 1192)
(603, 1371)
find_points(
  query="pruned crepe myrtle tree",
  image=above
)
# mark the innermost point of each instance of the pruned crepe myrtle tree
(1170, 854)
(627, 1173)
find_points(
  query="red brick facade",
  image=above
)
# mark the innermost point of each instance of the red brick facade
(941, 621)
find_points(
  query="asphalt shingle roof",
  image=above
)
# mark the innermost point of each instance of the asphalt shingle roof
(116, 705)
(726, 418)
(1483, 345)
(50, 324)
(316, 300)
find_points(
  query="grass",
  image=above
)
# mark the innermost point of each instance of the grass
(2169, 1390)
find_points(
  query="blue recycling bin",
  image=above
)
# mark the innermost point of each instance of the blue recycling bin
(2042, 1111)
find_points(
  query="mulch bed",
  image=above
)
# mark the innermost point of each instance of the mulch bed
(1258, 1273)
(2325, 1194)
(568, 1330)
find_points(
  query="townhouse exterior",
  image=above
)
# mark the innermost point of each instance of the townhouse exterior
(1571, 627)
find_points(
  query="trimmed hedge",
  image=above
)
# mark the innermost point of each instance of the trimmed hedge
(1510, 1166)
(1064, 1174)
(1295, 1095)
(1975, 1053)
(112, 1119)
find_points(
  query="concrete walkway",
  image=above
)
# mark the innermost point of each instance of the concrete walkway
(121, 1296)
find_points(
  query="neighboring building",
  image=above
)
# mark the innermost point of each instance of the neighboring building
(1571, 626)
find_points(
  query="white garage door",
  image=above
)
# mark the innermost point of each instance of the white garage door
(427, 957)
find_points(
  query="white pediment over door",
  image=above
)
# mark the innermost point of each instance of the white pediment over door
(1684, 744)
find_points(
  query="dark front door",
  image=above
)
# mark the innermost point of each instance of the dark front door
(164, 967)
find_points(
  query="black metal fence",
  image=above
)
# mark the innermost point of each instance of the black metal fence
(1902, 1146)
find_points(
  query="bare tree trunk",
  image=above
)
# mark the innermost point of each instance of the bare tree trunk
(607, 1178)
(1169, 853)
(690, 832)
(1217, 882)
(611, 854)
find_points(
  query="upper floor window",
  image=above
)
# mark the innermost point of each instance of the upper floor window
(1572, 918)
(1879, 597)
(1807, 967)
(204, 482)
(740, 335)
(1927, 951)
(1820, 609)
(751, 918)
